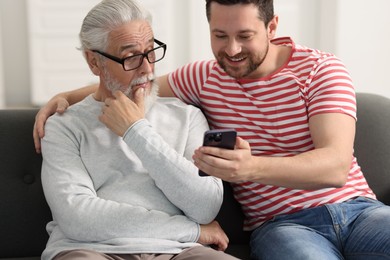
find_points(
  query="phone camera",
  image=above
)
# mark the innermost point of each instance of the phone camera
(218, 137)
(215, 137)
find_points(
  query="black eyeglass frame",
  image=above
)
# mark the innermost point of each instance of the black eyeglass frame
(144, 55)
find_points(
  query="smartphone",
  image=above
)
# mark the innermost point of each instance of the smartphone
(223, 138)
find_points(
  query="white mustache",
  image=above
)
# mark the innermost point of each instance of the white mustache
(137, 81)
(142, 80)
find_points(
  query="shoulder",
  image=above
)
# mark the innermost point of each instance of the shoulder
(76, 113)
(301, 52)
(175, 108)
(174, 114)
(198, 67)
(175, 104)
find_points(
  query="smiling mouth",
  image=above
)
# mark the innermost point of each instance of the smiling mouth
(235, 59)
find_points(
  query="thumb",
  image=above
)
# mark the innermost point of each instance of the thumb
(241, 144)
(118, 94)
(139, 97)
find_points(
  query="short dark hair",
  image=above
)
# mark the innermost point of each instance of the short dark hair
(265, 7)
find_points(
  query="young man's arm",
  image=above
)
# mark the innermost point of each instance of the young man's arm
(60, 102)
(323, 167)
(164, 88)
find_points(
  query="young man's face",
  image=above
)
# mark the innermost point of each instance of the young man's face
(239, 39)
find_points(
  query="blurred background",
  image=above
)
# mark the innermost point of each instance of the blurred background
(39, 40)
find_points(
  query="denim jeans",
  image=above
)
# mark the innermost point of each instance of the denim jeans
(356, 229)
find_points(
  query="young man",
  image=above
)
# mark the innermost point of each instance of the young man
(133, 193)
(293, 170)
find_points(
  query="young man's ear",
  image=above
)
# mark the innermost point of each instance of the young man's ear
(93, 62)
(272, 26)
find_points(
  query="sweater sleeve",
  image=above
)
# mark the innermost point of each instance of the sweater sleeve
(200, 198)
(80, 214)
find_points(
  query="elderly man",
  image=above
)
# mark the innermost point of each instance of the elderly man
(133, 193)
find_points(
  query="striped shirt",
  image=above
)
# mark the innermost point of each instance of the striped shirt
(272, 114)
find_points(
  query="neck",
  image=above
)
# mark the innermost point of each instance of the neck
(276, 58)
(101, 94)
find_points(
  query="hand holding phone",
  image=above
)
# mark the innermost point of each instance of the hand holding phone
(222, 138)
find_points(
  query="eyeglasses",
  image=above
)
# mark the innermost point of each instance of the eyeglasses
(135, 61)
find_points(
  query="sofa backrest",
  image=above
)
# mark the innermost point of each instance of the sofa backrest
(23, 209)
(24, 212)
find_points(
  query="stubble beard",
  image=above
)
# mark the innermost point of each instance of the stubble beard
(150, 98)
(254, 62)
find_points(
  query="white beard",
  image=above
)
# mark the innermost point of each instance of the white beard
(113, 85)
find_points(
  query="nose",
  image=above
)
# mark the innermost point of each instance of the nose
(146, 67)
(233, 48)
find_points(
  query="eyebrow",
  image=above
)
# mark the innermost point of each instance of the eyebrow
(128, 46)
(132, 45)
(217, 31)
(242, 31)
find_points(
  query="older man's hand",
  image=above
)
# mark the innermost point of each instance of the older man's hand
(119, 112)
(212, 234)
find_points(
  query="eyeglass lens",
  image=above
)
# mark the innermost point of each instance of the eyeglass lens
(152, 56)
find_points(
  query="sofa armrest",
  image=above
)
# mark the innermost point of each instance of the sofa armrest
(372, 142)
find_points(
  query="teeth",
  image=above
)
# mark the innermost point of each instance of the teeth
(236, 59)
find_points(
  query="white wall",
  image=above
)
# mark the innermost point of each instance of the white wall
(55, 62)
(199, 36)
(355, 30)
(53, 26)
(299, 20)
(362, 42)
(16, 74)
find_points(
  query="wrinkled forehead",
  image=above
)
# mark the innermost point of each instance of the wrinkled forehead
(133, 33)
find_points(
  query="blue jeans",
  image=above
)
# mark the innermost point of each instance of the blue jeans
(356, 229)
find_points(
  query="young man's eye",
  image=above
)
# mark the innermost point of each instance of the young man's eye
(220, 36)
(245, 37)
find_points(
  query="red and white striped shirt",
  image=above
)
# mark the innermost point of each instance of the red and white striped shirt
(272, 114)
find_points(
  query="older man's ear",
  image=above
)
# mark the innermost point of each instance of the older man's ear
(93, 62)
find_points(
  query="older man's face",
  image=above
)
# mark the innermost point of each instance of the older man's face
(129, 39)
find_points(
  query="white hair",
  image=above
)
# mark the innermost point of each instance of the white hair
(105, 17)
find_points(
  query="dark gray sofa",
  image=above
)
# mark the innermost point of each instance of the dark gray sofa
(24, 212)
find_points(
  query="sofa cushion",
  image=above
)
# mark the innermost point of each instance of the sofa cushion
(231, 219)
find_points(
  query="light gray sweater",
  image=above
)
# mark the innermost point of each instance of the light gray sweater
(136, 194)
